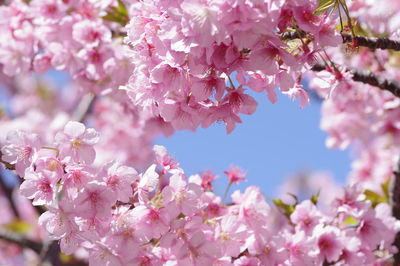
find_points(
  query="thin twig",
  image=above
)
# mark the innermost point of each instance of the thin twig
(369, 78)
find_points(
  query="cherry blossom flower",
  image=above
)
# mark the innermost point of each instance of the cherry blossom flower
(20, 149)
(39, 187)
(94, 200)
(120, 178)
(235, 175)
(76, 142)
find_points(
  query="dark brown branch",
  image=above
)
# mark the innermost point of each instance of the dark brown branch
(39, 209)
(396, 210)
(369, 42)
(291, 35)
(369, 78)
(8, 193)
(372, 43)
(20, 240)
(50, 254)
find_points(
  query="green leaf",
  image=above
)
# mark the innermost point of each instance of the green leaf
(350, 220)
(118, 14)
(286, 208)
(385, 189)
(374, 197)
(323, 2)
(122, 8)
(324, 5)
(314, 198)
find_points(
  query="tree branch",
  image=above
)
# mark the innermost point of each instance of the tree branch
(369, 42)
(372, 42)
(20, 240)
(369, 78)
(396, 210)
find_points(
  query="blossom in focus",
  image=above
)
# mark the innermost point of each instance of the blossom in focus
(76, 142)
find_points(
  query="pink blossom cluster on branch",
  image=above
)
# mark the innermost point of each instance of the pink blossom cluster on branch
(36, 102)
(185, 52)
(358, 114)
(65, 35)
(122, 217)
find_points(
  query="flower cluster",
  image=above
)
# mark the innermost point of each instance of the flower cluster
(357, 114)
(186, 52)
(64, 35)
(34, 102)
(122, 217)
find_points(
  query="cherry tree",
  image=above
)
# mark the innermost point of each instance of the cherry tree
(81, 182)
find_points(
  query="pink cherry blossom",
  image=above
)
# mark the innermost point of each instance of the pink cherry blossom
(306, 217)
(184, 196)
(76, 142)
(119, 179)
(235, 175)
(329, 241)
(90, 33)
(39, 187)
(94, 200)
(20, 149)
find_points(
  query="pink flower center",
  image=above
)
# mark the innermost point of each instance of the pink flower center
(95, 57)
(307, 221)
(50, 9)
(144, 261)
(52, 166)
(365, 228)
(153, 215)
(213, 208)
(45, 187)
(76, 143)
(235, 100)
(309, 16)
(76, 176)
(93, 35)
(113, 180)
(25, 153)
(324, 243)
(94, 197)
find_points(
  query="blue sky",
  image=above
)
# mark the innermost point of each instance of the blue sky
(277, 140)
